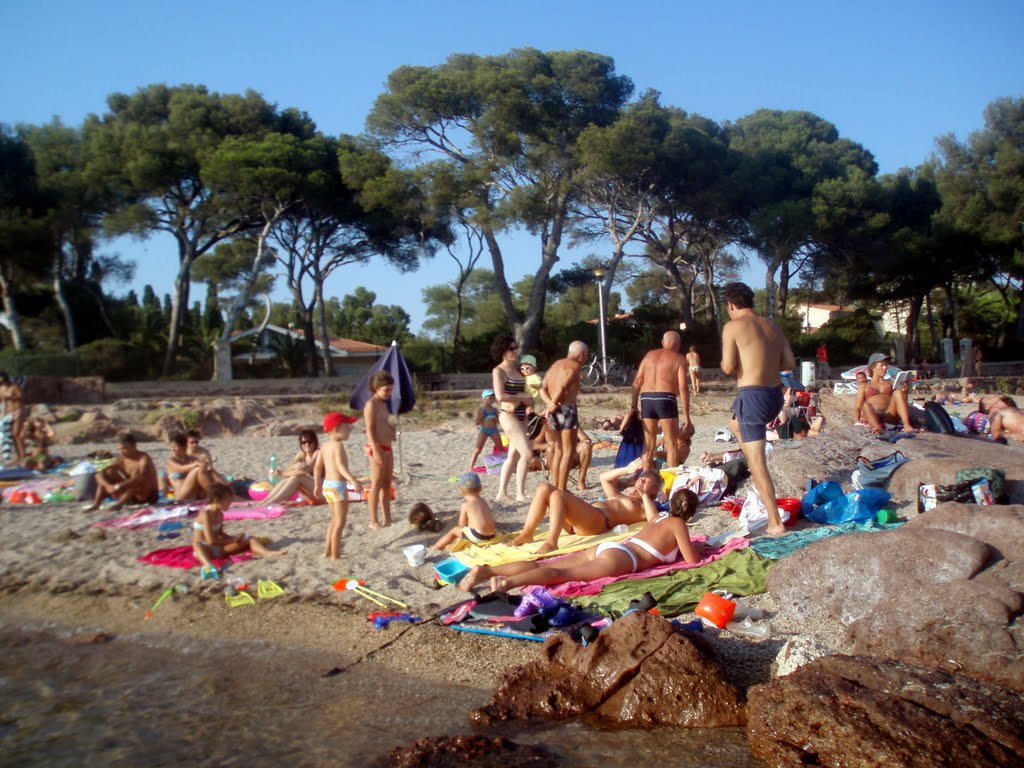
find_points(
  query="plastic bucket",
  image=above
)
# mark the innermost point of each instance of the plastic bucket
(416, 554)
(716, 609)
(792, 506)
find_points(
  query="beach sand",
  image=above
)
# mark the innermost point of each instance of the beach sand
(61, 573)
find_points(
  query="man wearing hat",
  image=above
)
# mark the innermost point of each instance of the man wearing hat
(877, 402)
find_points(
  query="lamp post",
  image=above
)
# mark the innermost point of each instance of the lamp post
(599, 274)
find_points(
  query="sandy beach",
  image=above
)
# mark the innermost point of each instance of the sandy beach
(63, 575)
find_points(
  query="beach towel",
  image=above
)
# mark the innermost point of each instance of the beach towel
(38, 483)
(183, 557)
(148, 516)
(498, 552)
(579, 588)
(740, 572)
(777, 548)
(632, 444)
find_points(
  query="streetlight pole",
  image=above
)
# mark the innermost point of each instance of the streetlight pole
(599, 274)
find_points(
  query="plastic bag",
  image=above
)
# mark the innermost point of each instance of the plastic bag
(818, 496)
(754, 514)
(857, 506)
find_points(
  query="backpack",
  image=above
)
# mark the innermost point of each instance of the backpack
(936, 419)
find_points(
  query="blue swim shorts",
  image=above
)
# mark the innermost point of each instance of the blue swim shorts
(753, 408)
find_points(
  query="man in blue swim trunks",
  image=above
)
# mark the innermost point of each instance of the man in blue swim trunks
(660, 387)
(755, 351)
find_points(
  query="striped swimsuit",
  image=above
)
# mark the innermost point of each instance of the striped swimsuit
(517, 387)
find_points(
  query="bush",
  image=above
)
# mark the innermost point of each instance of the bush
(115, 360)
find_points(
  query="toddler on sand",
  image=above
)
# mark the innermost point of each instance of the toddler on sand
(476, 520)
(209, 541)
(487, 421)
(329, 475)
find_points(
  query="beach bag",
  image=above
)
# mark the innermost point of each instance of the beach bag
(736, 471)
(996, 480)
(876, 472)
(936, 419)
(977, 423)
(708, 483)
(754, 514)
(632, 446)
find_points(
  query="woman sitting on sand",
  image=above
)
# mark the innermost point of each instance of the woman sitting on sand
(210, 542)
(298, 476)
(663, 540)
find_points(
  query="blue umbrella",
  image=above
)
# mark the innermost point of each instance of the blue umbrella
(791, 381)
(403, 398)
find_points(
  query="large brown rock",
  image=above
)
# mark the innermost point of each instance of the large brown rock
(639, 671)
(847, 577)
(863, 712)
(475, 750)
(1000, 526)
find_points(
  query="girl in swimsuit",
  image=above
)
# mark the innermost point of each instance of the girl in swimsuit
(664, 539)
(878, 403)
(298, 476)
(510, 393)
(209, 541)
(487, 421)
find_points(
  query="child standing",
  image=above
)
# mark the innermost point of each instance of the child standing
(330, 471)
(209, 541)
(487, 421)
(379, 436)
(476, 520)
(528, 367)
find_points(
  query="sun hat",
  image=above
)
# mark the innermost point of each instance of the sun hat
(877, 357)
(333, 419)
(486, 393)
(528, 360)
(470, 481)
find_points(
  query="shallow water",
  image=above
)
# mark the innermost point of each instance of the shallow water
(136, 701)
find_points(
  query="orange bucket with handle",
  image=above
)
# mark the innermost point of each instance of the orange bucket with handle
(716, 609)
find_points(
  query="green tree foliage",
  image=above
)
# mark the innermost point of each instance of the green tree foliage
(362, 319)
(508, 126)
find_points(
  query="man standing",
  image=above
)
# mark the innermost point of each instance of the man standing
(560, 389)
(754, 350)
(661, 382)
(824, 371)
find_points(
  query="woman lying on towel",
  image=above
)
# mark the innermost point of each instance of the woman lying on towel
(663, 540)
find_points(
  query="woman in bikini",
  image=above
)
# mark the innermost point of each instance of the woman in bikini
(210, 542)
(877, 402)
(510, 393)
(298, 476)
(663, 540)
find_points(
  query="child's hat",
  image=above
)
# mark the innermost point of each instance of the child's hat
(333, 419)
(486, 393)
(469, 480)
(528, 360)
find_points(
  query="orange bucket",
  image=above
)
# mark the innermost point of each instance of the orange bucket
(716, 609)
(792, 506)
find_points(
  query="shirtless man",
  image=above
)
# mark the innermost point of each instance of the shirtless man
(560, 389)
(693, 363)
(575, 515)
(659, 385)
(755, 351)
(13, 402)
(131, 479)
(1007, 421)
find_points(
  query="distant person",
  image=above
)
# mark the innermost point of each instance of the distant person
(1007, 421)
(824, 370)
(188, 476)
(12, 410)
(877, 403)
(660, 386)
(755, 351)
(297, 477)
(380, 434)
(330, 477)
(693, 364)
(560, 390)
(36, 437)
(509, 387)
(476, 520)
(131, 479)
(210, 542)
(544, 446)
(193, 436)
(977, 361)
(487, 426)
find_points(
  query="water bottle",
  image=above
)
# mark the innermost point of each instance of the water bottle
(749, 628)
(273, 468)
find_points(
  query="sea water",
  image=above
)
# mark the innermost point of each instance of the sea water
(143, 701)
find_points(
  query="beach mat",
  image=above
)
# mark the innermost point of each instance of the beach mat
(149, 516)
(498, 552)
(781, 546)
(493, 614)
(183, 557)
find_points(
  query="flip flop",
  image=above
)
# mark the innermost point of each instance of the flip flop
(267, 589)
(239, 599)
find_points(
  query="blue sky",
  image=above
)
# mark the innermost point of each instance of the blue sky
(890, 75)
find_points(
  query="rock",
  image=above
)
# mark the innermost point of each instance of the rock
(639, 671)
(796, 652)
(458, 751)
(957, 625)
(833, 456)
(1000, 526)
(90, 638)
(859, 712)
(846, 577)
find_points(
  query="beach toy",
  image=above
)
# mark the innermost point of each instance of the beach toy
(669, 477)
(209, 572)
(181, 589)
(238, 599)
(357, 586)
(716, 609)
(259, 491)
(415, 554)
(451, 570)
(792, 506)
(887, 516)
(267, 589)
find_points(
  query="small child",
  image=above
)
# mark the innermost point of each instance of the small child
(476, 520)
(528, 367)
(329, 475)
(421, 517)
(379, 436)
(210, 542)
(487, 420)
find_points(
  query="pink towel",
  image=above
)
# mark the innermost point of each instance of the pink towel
(580, 588)
(183, 557)
(155, 515)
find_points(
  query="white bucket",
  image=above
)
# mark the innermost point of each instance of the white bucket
(416, 554)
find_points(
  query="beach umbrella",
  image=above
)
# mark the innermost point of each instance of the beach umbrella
(791, 381)
(403, 398)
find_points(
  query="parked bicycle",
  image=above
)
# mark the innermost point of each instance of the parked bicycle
(606, 369)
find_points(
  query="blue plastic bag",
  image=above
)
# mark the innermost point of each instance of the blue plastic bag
(857, 506)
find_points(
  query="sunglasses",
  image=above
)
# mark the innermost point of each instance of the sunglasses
(306, 442)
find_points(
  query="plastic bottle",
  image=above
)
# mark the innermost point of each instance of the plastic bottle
(749, 628)
(273, 469)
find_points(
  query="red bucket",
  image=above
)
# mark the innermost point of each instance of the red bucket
(792, 506)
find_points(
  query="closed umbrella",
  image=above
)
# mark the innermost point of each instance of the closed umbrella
(403, 397)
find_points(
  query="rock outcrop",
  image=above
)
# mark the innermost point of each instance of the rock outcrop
(639, 671)
(458, 751)
(865, 712)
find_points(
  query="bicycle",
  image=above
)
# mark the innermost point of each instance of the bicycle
(606, 369)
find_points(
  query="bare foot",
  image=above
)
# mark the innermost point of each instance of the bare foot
(523, 538)
(276, 552)
(91, 508)
(705, 458)
(374, 525)
(503, 498)
(498, 584)
(387, 522)
(544, 548)
(771, 531)
(476, 574)
(521, 499)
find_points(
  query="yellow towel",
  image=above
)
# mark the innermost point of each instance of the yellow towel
(498, 552)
